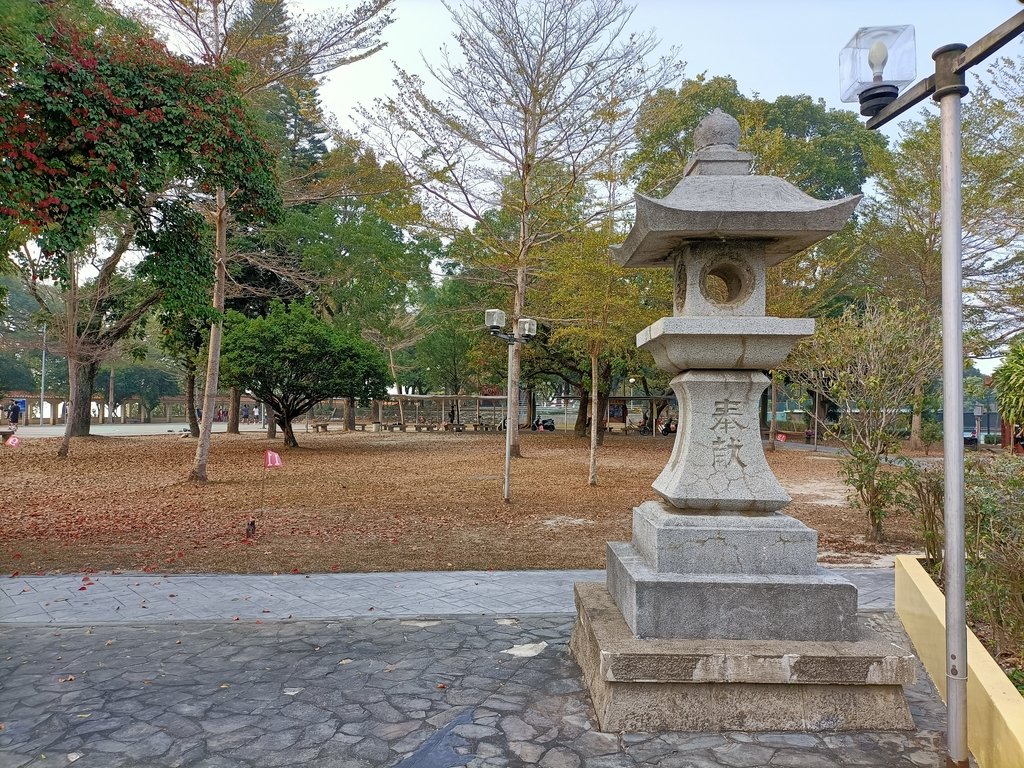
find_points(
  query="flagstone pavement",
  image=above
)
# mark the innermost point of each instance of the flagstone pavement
(415, 670)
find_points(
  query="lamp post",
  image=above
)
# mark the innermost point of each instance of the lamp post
(871, 47)
(42, 383)
(494, 319)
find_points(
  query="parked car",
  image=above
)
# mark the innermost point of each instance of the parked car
(970, 438)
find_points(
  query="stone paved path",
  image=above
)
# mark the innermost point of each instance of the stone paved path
(437, 691)
(146, 598)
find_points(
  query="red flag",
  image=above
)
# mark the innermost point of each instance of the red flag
(12, 442)
(271, 460)
(781, 438)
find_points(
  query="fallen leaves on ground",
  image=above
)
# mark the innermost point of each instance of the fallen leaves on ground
(360, 502)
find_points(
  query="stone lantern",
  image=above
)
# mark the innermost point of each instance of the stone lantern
(716, 616)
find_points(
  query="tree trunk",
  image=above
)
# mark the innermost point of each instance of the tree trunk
(580, 428)
(518, 304)
(65, 445)
(216, 331)
(915, 418)
(350, 413)
(773, 424)
(394, 377)
(595, 408)
(271, 423)
(190, 402)
(234, 406)
(876, 534)
(110, 393)
(602, 415)
(286, 428)
(531, 405)
(78, 414)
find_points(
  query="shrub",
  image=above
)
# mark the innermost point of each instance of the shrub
(994, 523)
(878, 483)
(927, 492)
(931, 433)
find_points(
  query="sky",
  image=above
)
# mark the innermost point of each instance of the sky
(771, 47)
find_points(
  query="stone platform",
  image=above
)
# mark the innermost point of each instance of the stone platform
(727, 575)
(725, 685)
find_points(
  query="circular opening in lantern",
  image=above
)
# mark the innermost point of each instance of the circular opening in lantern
(726, 282)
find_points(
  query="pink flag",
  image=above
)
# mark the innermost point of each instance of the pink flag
(12, 442)
(271, 460)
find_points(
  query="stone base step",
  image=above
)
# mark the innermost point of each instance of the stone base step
(818, 606)
(744, 685)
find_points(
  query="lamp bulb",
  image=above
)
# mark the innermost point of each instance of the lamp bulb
(878, 55)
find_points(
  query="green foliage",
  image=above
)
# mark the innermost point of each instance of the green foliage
(15, 374)
(108, 121)
(878, 486)
(455, 351)
(931, 433)
(1008, 380)
(17, 33)
(1017, 678)
(148, 382)
(869, 363)
(900, 222)
(367, 266)
(292, 360)
(994, 525)
(596, 305)
(823, 151)
(994, 546)
(926, 491)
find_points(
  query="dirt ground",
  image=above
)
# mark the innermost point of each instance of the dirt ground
(362, 502)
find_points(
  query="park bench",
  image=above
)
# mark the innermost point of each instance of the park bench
(4, 434)
(361, 427)
(320, 426)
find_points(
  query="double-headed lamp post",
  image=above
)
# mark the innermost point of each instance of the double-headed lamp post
(874, 66)
(526, 329)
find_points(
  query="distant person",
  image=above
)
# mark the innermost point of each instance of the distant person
(13, 414)
(245, 414)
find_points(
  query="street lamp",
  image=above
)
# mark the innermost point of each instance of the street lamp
(526, 328)
(875, 64)
(42, 383)
(947, 86)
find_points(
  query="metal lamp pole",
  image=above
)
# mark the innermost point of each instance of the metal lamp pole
(511, 406)
(42, 382)
(494, 319)
(947, 86)
(949, 96)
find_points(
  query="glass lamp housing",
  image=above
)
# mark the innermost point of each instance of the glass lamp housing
(527, 327)
(494, 319)
(877, 56)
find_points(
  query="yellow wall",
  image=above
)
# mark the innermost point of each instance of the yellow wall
(995, 710)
